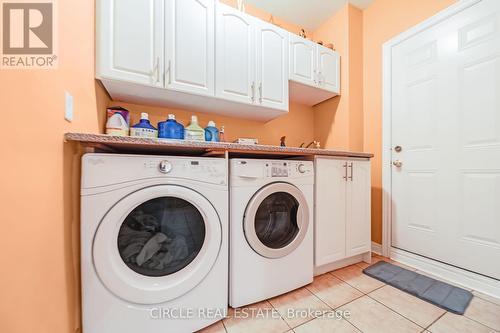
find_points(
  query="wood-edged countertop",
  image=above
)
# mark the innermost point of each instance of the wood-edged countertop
(126, 144)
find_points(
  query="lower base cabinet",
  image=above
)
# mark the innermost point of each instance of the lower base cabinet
(342, 209)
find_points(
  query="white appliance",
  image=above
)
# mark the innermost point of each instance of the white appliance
(154, 237)
(271, 233)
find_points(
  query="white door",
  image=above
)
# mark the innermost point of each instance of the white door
(328, 69)
(358, 211)
(130, 41)
(235, 55)
(272, 66)
(303, 60)
(330, 210)
(190, 39)
(446, 119)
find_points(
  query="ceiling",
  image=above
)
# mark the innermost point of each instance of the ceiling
(309, 14)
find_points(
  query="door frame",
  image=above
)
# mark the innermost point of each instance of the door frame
(451, 273)
(387, 111)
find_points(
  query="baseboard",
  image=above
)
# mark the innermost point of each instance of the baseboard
(341, 263)
(453, 274)
(377, 248)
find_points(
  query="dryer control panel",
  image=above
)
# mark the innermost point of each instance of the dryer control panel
(251, 169)
(288, 169)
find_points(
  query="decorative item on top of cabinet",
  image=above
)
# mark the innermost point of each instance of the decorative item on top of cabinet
(342, 210)
(314, 71)
(241, 6)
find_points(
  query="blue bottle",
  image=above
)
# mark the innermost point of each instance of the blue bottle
(170, 129)
(144, 129)
(211, 132)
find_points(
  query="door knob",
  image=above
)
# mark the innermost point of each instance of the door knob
(397, 163)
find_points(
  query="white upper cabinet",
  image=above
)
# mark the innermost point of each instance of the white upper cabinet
(303, 60)
(207, 56)
(272, 66)
(235, 55)
(190, 40)
(130, 47)
(328, 69)
(251, 60)
(314, 71)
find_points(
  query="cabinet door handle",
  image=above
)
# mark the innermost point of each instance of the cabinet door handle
(345, 171)
(351, 167)
(253, 92)
(156, 70)
(315, 75)
(320, 74)
(169, 72)
(260, 92)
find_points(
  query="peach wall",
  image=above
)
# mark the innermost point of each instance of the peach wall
(297, 125)
(39, 174)
(331, 118)
(39, 277)
(382, 20)
(338, 122)
(39, 281)
(355, 79)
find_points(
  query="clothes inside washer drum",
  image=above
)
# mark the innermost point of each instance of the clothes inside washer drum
(161, 236)
(444, 295)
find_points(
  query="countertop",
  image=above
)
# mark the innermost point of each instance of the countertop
(120, 144)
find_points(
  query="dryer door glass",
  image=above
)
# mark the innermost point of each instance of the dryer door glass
(276, 220)
(161, 236)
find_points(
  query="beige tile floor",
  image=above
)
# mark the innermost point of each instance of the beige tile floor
(368, 306)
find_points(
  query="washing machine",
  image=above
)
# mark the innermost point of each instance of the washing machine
(154, 243)
(271, 228)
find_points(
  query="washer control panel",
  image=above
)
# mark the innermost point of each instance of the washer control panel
(206, 170)
(110, 169)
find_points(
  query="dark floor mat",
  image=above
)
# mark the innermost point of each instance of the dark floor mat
(444, 295)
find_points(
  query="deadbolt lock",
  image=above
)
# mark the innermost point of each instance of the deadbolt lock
(398, 149)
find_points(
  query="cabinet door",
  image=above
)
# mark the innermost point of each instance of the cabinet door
(358, 220)
(303, 60)
(235, 50)
(330, 211)
(328, 69)
(190, 31)
(272, 66)
(130, 39)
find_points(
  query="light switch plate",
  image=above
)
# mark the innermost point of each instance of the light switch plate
(68, 106)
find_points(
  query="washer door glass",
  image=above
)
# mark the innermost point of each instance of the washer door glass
(276, 220)
(157, 244)
(161, 236)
